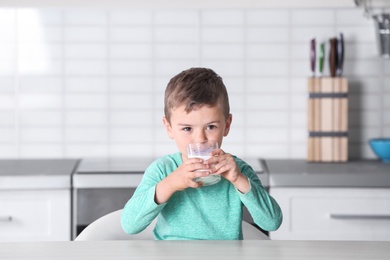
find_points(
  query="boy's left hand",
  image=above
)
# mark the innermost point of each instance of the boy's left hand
(224, 164)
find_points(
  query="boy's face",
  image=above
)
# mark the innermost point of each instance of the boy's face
(202, 123)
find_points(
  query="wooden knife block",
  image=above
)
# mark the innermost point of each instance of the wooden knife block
(327, 119)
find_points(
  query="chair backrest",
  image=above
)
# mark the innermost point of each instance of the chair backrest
(109, 227)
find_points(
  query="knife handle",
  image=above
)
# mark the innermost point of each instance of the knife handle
(313, 56)
(333, 57)
(340, 55)
(321, 58)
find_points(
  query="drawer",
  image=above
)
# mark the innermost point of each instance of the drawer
(334, 214)
(35, 215)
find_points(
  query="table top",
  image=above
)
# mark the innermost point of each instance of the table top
(196, 250)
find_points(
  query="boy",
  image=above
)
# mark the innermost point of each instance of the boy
(197, 109)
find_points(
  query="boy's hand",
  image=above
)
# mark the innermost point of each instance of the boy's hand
(225, 165)
(181, 179)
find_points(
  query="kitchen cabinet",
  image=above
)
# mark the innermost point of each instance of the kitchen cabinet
(34, 215)
(330, 201)
(35, 200)
(333, 213)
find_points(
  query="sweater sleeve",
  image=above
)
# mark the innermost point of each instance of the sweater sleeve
(142, 209)
(264, 210)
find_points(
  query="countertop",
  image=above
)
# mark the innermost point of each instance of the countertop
(127, 172)
(299, 173)
(37, 173)
(197, 250)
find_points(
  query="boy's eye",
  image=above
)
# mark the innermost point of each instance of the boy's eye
(187, 129)
(211, 127)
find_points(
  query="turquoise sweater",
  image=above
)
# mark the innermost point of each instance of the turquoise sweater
(209, 212)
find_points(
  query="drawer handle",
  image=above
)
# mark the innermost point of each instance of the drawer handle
(359, 216)
(5, 218)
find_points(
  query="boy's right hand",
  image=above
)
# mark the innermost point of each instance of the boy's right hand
(181, 179)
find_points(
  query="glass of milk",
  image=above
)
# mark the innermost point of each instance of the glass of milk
(203, 150)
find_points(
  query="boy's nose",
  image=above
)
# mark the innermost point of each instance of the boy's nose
(201, 136)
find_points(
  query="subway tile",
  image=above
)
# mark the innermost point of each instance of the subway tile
(176, 51)
(85, 51)
(7, 16)
(268, 102)
(364, 102)
(40, 101)
(80, 150)
(86, 118)
(313, 17)
(352, 17)
(35, 33)
(267, 34)
(7, 118)
(267, 118)
(224, 35)
(39, 84)
(299, 119)
(86, 134)
(302, 69)
(85, 101)
(85, 84)
(268, 17)
(223, 51)
(132, 150)
(359, 34)
(39, 67)
(8, 151)
(130, 17)
(363, 68)
(131, 68)
(131, 84)
(386, 68)
(41, 150)
(7, 51)
(85, 17)
(130, 101)
(28, 16)
(131, 51)
(227, 17)
(41, 135)
(237, 101)
(267, 68)
(268, 51)
(267, 85)
(360, 50)
(135, 34)
(7, 135)
(234, 84)
(298, 151)
(7, 67)
(131, 118)
(85, 34)
(185, 34)
(7, 30)
(39, 118)
(267, 150)
(297, 135)
(298, 102)
(131, 134)
(85, 68)
(7, 84)
(358, 118)
(298, 85)
(179, 18)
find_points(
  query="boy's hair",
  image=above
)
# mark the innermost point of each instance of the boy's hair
(194, 88)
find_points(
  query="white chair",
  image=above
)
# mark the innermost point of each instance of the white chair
(108, 227)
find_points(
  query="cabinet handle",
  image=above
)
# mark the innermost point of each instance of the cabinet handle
(5, 218)
(359, 216)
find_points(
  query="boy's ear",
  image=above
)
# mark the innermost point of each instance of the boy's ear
(167, 126)
(228, 124)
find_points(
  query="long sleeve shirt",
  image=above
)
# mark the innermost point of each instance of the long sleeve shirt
(208, 212)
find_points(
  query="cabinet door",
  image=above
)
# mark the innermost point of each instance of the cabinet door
(35, 215)
(333, 213)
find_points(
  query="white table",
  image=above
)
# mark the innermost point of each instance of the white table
(197, 250)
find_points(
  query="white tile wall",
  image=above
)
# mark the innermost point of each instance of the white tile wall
(90, 82)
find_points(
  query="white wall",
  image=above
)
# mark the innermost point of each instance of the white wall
(89, 82)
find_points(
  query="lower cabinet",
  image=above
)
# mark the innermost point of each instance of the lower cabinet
(333, 213)
(35, 215)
